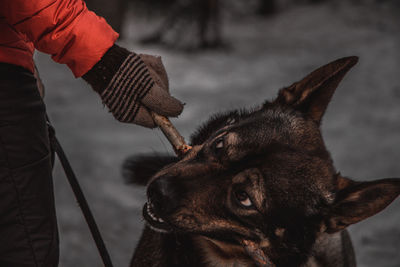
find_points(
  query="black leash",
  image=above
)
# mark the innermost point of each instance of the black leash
(80, 197)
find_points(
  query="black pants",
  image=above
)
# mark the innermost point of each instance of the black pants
(28, 226)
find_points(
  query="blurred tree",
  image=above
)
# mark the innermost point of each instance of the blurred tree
(203, 15)
(113, 11)
(267, 7)
(209, 23)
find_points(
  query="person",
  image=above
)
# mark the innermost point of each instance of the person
(129, 84)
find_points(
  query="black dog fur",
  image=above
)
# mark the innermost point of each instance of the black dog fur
(262, 175)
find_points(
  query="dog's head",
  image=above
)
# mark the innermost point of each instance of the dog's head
(263, 175)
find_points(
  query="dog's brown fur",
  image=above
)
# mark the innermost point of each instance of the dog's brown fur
(260, 177)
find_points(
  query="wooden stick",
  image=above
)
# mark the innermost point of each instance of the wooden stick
(177, 141)
(256, 253)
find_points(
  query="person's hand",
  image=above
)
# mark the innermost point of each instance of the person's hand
(132, 86)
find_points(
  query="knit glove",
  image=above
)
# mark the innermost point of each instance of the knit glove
(132, 85)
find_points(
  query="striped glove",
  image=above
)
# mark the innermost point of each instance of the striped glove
(131, 85)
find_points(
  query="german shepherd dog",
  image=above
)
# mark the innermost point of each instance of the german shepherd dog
(258, 188)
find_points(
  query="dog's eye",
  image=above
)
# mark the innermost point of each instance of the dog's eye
(243, 198)
(219, 143)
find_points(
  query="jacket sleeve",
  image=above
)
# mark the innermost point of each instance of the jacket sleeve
(66, 29)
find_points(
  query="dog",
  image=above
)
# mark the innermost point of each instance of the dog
(258, 188)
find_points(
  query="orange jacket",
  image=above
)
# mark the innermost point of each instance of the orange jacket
(66, 29)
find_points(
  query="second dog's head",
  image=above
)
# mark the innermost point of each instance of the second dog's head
(263, 175)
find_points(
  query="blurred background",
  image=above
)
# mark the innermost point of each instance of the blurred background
(227, 54)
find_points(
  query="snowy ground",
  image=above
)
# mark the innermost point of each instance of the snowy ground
(361, 127)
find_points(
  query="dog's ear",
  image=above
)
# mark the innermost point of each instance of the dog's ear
(356, 201)
(312, 94)
(138, 169)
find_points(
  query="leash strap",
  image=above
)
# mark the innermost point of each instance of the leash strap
(80, 197)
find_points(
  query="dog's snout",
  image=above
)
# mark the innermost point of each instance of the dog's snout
(163, 195)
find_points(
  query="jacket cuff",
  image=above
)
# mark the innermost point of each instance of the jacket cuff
(100, 75)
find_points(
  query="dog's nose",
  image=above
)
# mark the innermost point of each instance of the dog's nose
(163, 195)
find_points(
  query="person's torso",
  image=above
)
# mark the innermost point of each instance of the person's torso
(15, 48)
